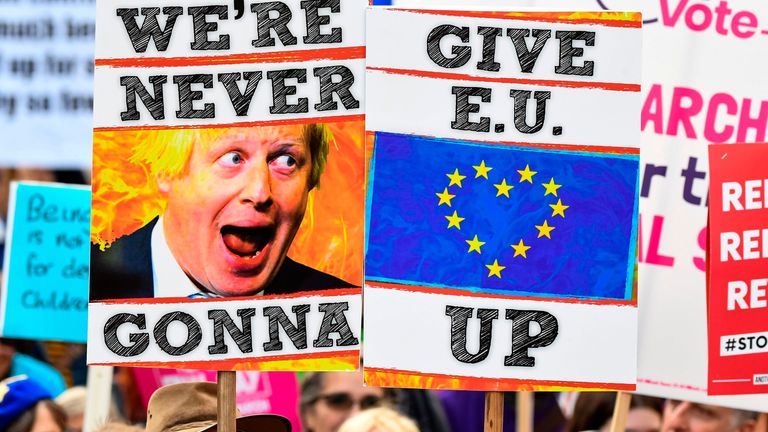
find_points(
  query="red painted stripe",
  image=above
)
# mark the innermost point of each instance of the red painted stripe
(563, 146)
(672, 385)
(293, 121)
(465, 293)
(346, 356)
(391, 377)
(506, 80)
(347, 53)
(547, 146)
(184, 300)
(633, 19)
(569, 147)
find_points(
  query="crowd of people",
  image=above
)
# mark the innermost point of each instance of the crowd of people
(43, 390)
(36, 397)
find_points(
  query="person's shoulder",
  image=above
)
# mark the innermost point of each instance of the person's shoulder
(124, 269)
(295, 277)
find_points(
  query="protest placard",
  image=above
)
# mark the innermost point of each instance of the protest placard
(46, 90)
(689, 101)
(228, 163)
(500, 250)
(738, 270)
(45, 267)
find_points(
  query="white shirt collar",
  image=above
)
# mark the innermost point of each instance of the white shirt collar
(168, 277)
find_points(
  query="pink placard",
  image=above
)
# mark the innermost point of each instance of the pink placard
(257, 392)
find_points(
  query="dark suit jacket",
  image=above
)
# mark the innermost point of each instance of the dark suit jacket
(124, 271)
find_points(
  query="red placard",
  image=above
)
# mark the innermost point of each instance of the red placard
(738, 269)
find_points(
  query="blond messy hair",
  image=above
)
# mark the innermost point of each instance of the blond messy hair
(167, 152)
(382, 419)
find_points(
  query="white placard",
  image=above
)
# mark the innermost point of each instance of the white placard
(215, 101)
(222, 24)
(447, 125)
(703, 81)
(591, 337)
(278, 87)
(46, 89)
(573, 109)
(223, 332)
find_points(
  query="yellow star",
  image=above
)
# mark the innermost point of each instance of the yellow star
(454, 220)
(551, 187)
(520, 249)
(526, 174)
(495, 269)
(481, 170)
(456, 178)
(474, 244)
(445, 197)
(544, 230)
(503, 188)
(559, 208)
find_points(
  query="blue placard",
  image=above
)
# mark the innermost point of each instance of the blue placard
(45, 271)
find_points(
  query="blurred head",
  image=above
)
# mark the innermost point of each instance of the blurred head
(382, 419)
(641, 419)
(695, 417)
(594, 411)
(235, 198)
(72, 401)
(26, 406)
(19, 174)
(44, 416)
(47, 416)
(6, 358)
(329, 398)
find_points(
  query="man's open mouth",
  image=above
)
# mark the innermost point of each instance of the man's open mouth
(246, 241)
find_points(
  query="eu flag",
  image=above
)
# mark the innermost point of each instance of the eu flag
(501, 219)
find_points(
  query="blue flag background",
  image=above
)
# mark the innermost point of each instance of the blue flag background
(429, 226)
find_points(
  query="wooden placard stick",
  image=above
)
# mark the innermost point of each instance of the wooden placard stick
(494, 411)
(226, 406)
(524, 408)
(620, 411)
(98, 397)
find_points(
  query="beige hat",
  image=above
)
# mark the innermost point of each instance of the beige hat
(191, 407)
